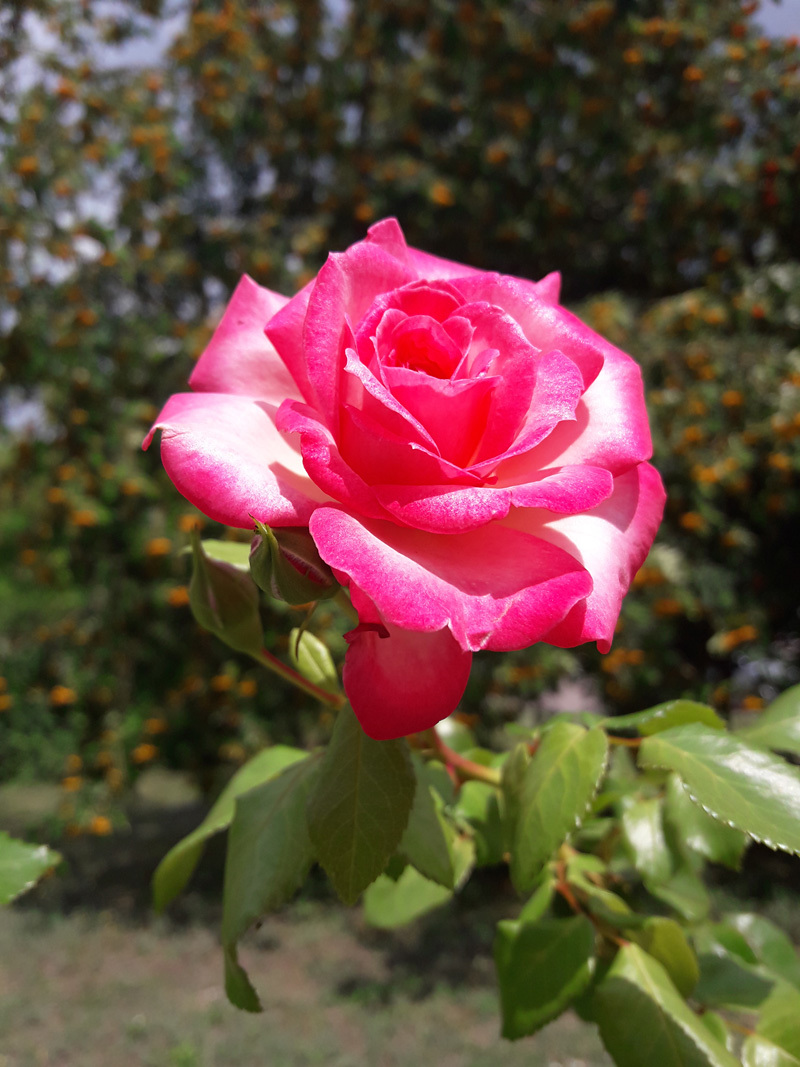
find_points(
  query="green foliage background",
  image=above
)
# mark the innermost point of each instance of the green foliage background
(648, 149)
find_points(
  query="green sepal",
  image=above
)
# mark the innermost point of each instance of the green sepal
(286, 564)
(224, 600)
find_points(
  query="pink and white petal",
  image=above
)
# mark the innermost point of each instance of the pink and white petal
(567, 490)
(611, 428)
(612, 542)
(388, 235)
(515, 364)
(284, 331)
(323, 462)
(456, 509)
(345, 288)
(546, 325)
(225, 454)
(239, 358)
(454, 413)
(401, 681)
(381, 457)
(444, 509)
(362, 390)
(556, 394)
(495, 587)
(549, 287)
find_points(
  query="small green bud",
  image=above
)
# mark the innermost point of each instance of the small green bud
(285, 563)
(224, 600)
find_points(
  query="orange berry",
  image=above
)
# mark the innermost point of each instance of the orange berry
(61, 695)
(158, 546)
(144, 752)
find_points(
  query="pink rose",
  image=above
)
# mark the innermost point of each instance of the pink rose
(469, 458)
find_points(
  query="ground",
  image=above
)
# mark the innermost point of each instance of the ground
(89, 977)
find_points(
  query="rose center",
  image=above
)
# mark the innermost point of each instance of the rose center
(418, 350)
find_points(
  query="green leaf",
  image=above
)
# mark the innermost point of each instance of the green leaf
(513, 778)
(778, 726)
(779, 1018)
(684, 891)
(388, 903)
(176, 868)
(695, 829)
(665, 941)
(478, 804)
(236, 553)
(664, 716)
(643, 833)
(644, 1020)
(360, 806)
(760, 1052)
(770, 945)
(559, 784)
(745, 787)
(427, 842)
(715, 1024)
(22, 865)
(313, 660)
(727, 982)
(541, 966)
(269, 855)
(540, 902)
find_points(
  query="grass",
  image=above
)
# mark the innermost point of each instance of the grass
(90, 990)
(90, 977)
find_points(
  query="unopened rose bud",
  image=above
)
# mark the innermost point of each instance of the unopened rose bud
(285, 563)
(224, 600)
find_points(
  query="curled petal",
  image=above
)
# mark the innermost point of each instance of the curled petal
(226, 455)
(323, 461)
(401, 681)
(344, 289)
(612, 542)
(455, 509)
(493, 588)
(546, 325)
(610, 428)
(239, 358)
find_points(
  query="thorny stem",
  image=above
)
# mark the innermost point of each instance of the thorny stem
(466, 769)
(331, 700)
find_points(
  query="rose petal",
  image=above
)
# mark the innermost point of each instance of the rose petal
(547, 326)
(379, 456)
(239, 358)
(454, 413)
(225, 454)
(494, 588)
(400, 681)
(362, 390)
(556, 392)
(515, 365)
(610, 428)
(612, 542)
(447, 510)
(345, 287)
(323, 461)
(284, 332)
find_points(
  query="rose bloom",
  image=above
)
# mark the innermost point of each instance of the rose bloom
(469, 458)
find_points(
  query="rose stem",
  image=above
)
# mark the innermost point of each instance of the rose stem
(466, 769)
(332, 700)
